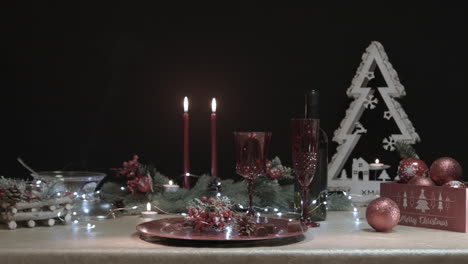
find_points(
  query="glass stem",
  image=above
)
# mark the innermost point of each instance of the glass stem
(250, 182)
(304, 213)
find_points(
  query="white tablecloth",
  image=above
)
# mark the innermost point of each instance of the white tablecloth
(340, 239)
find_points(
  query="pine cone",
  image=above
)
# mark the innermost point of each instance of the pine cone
(246, 225)
(14, 193)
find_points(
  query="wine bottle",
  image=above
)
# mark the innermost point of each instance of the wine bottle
(318, 188)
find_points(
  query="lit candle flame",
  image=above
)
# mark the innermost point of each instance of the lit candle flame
(213, 105)
(148, 207)
(185, 104)
(171, 182)
(377, 161)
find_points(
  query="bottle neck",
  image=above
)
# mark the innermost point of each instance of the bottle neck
(312, 105)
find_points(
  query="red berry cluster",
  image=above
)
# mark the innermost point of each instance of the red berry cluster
(211, 213)
(273, 172)
(137, 182)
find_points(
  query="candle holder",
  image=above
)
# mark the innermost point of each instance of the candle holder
(171, 187)
(378, 166)
(82, 185)
(149, 213)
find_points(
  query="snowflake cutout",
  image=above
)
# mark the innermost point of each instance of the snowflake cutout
(389, 143)
(370, 75)
(387, 115)
(359, 129)
(409, 170)
(370, 102)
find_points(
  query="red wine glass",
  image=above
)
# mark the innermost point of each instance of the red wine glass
(305, 143)
(251, 149)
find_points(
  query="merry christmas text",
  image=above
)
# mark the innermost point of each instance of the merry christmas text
(423, 220)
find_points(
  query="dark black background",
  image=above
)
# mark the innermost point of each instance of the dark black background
(87, 86)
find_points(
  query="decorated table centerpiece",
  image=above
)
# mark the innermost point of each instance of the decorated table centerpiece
(214, 219)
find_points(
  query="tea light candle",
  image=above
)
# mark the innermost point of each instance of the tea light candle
(377, 165)
(171, 187)
(148, 213)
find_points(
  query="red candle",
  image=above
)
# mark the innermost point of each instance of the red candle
(186, 146)
(214, 147)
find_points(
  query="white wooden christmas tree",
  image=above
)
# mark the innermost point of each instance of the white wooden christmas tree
(350, 129)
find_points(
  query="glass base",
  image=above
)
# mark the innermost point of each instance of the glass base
(91, 210)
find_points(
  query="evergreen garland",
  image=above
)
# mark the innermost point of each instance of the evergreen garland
(268, 192)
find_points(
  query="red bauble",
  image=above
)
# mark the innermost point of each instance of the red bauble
(410, 168)
(422, 181)
(382, 214)
(455, 184)
(444, 170)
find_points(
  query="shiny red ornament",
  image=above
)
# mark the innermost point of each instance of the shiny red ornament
(455, 184)
(422, 181)
(410, 168)
(382, 214)
(444, 170)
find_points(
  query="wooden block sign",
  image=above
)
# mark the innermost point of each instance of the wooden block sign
(434, 207)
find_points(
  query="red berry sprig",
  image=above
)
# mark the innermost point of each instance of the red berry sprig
(274, 172)
(210, 213)
(137, 182)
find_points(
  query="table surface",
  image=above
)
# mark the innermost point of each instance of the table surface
(340, 239)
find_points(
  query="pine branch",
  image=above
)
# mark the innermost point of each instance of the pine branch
(406, 150)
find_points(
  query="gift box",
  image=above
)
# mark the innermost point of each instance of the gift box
(434, 207)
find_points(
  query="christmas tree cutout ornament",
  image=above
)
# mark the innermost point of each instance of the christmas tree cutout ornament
(351, 129)
(422, 202)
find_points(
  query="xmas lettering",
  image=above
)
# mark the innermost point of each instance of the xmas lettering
(369, 192)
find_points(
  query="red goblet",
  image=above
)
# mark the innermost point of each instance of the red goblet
(251, 149)
(305, 140)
